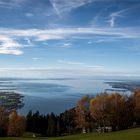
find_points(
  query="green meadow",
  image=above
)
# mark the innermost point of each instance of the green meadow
(131, 134)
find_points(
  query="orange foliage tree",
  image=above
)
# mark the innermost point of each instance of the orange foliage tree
(136, 105)
(3, 121)
(82, 112)
(16, 124)
(108, 109)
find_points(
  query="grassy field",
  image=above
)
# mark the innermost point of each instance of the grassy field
(132, 134)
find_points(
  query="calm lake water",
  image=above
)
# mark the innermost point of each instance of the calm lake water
(52, 95)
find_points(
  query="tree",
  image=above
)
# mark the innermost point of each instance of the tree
(29, 122)
(82, 113)
(51, 130)
(99, 110)
(3, 121)
(35, 125)
(136, 105)
(67, 121)
(117, 111)
(16, 125)
(109, 110)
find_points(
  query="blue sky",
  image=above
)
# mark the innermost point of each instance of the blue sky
(69, 37)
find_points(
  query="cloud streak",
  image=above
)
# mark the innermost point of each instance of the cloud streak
(61, 72)
(10, 44)
(36, 58)
(29, 15)
(66, 45)
(81, 64)
(64, 6)
(115, 15)
(10, 3)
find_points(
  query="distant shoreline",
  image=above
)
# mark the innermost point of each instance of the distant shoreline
(11, 100)
(125, 85)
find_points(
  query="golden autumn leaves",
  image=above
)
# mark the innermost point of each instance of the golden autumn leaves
(11, 124)
(115, 110)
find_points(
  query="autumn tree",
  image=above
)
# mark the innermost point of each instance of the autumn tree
(3, 121)
(117, 111)
(136, 105)
(109, 110)
(16, 124)
(82, 113)
(99, 109)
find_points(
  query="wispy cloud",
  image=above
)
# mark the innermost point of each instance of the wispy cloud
(70, 62)
(63, 6)
(10, 51)
(9, 38)
(81, 64)
(103, 40)
(9, 46)
(118, 14)
(29, 15)
(36, 58)
(28, 41)
(61, 72)
(66, 45)
(89, 42)
(10, 3)
(60, 33)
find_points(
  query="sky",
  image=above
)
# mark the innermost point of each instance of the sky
(63, 38)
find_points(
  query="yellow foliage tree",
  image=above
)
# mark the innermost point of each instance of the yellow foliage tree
(3, 121)
(16, 124)
(82, 111)
(98, 109)
(136, 104)
(108, 109)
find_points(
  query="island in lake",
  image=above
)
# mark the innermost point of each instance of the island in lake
(11, 100)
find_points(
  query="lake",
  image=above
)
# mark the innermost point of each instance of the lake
(52, 95)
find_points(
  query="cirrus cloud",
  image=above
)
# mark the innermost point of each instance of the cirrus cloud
(11, 43)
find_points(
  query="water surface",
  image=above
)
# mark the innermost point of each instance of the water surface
(52, 95)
